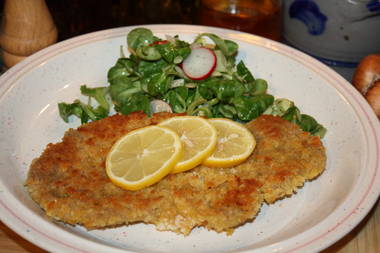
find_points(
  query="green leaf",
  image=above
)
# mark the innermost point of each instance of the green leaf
(309, 124)
(123, 89)
(149, 53)
(147, 68)
(207, 88)
(139, 37)
(279, 107)
(174, 53)
(225, 110)
(82, 111)
(203, 111)
(124, 67)
(244, 72)
(260, 87)
(159, 84)
(194, 100)
(306, 122)
(177, 99)
(228, 47)
(221, 63)
(292, 114)
(249, 108)
(99, 94)
(137, 102)
(66, 110)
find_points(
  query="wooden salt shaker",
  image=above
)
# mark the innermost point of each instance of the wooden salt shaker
(27, 27)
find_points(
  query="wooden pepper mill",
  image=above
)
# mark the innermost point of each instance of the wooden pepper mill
(27, 27)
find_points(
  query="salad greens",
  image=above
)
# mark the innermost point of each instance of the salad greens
(84, 111)
(287, 110)
(153, 71)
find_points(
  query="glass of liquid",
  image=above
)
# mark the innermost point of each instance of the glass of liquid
(260, 17)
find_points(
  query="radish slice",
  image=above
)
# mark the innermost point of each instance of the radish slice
(199, 64)
(158, 105)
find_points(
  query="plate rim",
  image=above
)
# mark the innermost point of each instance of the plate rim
(9, 78)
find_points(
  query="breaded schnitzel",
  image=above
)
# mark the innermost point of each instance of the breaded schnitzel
(285, 157)
(69, 181)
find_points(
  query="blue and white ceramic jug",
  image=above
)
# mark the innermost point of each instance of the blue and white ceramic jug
(338, 32)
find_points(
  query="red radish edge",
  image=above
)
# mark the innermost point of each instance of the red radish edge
(159, 42)
(197, 68)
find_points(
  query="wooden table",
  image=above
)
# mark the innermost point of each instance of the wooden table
(364, 238)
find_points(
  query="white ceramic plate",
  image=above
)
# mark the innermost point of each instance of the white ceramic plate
(322, 212)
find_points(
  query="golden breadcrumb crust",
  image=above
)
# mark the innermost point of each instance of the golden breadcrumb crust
(69, 181)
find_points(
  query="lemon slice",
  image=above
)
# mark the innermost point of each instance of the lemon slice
(198, 137)
(143, 157)
(235, 144)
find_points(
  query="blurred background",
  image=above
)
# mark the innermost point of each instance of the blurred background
(75, 17)
(337, 32)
